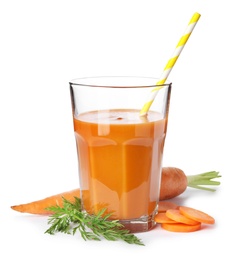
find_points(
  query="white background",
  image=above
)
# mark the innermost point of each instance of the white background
(44, 44)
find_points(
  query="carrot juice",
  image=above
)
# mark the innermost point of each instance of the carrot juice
(120, 157)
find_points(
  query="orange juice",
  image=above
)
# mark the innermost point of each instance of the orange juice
(120, 156)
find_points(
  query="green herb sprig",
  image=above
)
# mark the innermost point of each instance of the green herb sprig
(70, 218)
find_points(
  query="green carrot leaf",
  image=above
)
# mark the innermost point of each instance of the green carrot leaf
(70, 219)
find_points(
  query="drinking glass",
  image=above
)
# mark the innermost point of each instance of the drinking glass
(119, 151)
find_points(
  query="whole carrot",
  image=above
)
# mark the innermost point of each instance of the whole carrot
(39, 206)
(174, 182)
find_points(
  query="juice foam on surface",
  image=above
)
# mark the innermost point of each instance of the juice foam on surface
(120, 156)
(120, 116)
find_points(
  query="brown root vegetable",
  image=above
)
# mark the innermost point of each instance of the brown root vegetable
(174, 182)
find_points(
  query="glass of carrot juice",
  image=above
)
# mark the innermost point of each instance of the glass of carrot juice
(119, 151)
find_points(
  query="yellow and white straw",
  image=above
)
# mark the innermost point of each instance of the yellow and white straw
(171, 62)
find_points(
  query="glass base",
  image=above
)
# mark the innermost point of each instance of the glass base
(137, 225)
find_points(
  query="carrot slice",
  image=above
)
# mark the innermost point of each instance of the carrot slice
(196, 215)
(180, 227)
(163, 206)
(162, 218)
(175, 214)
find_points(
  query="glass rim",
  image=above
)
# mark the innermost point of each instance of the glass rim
(95, 82)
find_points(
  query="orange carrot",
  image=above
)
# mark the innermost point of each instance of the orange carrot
(39, 206)
(164, 205)
(173, 183)
(162, 218)
(196, 215)
(186, 219)
(175, 215)
(179, 227)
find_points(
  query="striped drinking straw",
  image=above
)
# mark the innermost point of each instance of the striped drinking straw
(183, 40)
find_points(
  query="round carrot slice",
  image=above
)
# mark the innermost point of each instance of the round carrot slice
(162, 218)
(175, 214)
(196, 215)
(163, 206)
(180, 227)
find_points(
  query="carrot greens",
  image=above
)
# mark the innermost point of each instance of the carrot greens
(197, 181)
(70, 219)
